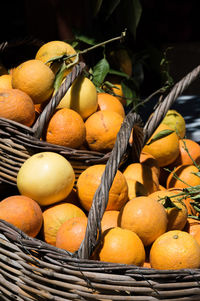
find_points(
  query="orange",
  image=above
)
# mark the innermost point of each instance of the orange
(55, 216)
(17, 106)
(193, 227)
(161, 187)
(54, 49)
(120, 246)
(110, 103)
(22, 212)
(144, 216)
(81, 97)
(88, 182)
(135, 188)
(165, 150)
(149, 160)
(120, 59)
(183, 157)
(143, 174)
(109, 219)
(71, 234)
(34, 78)
(66, 128)
(102, 128)
(177, 212)
(186, 176)
(6, 81)
(175, 250)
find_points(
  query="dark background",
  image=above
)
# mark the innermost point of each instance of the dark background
(172, 23)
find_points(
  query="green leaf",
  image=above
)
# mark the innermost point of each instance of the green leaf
(116, 72)
(168, 203)
(100, 71)
(128, 92)
(196, 173)
(160, 135)
(59, 76)
(85, 39)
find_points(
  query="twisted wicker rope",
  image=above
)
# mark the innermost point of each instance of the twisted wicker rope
(101, 196)
(160, 112)
(50, 108)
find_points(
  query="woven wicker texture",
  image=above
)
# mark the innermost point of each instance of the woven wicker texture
(31, 270)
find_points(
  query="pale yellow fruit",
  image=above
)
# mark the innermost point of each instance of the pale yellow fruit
(176, 122)
(46, 177)
(81, 97)
(54, 49)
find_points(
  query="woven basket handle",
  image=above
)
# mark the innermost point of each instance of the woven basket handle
(100, 199)
(161, 110)
(141, 136)
(46, 114)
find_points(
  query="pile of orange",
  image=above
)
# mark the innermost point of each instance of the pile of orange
(148, 216)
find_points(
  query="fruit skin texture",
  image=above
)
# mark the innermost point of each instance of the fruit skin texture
(71, 234)
(177, 217)
(149, 160)
(193, 227)
(22, 212)
(109, 102)
(81, 97)
(185, 173)
(66, 128)
(17, 106)
(135, 189)
(144, 216)
(176, 122)
(6, 81)
(56, 48)
(46, 177)
(34, 78)
(90, 179)
(55, 216)
(143, 174)
(118, 93)
(175, 250)
(102, 128)
(183, 157)
(165, 150)
(120, 246)
(109, 220)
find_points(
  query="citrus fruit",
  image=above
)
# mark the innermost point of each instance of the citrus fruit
(55, 216)
(193, 227)
(110, 103)
(187, 146)
(34, 78)
(144, 216)
(120, 246)
(17, 106)
(176, 122)
(109, 219)
(142, 173)
(118, 93)
(166, 149)
(186, 177)
(6, 81)
(66, 128)
(71, 234)
(81, 97)
(55, 49)
(175, 208)
(88, 182)
(120, 59)
(175, 250)
(149, 160)
(46, 177)
(102, 128)
(135, 188)
(22, 212)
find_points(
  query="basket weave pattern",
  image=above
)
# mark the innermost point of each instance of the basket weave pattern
(32, 270)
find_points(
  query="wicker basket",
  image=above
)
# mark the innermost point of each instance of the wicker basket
(31, 270)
